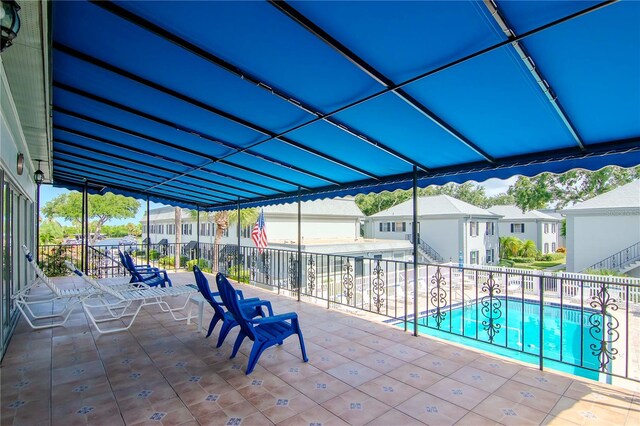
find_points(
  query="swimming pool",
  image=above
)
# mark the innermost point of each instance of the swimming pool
(513, 329)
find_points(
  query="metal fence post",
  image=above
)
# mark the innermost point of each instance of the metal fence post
(541, 315)
(299, 265)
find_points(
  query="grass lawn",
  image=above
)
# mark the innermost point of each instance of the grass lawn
(537, 265)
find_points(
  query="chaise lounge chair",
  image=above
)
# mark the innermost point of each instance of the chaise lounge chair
(117, 303)
(146, 274)
(264, 332)
(25, 300)
(252, 307)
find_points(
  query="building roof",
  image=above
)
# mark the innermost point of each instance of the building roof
(516, 213)
(623, 197)
(343, 206)
(437, 205)
(165, 213)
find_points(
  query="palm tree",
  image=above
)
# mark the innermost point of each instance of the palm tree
(222, 220)
(178, 223)
(510, 247)
(528, 249)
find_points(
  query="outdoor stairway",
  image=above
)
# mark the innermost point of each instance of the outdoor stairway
(623, 261)
(429, 253)
(630, 266)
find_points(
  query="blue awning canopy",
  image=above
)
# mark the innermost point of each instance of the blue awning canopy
(213, 103)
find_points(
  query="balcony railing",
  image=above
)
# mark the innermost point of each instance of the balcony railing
(582, 324)
(619, 260)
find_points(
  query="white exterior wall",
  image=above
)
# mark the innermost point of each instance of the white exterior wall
(21, 216)
(443, 235)
(534, 231)
(531, 230)
(550, 238)
(592, 238)
(13, 142)
(446, 235)
(481, 242)
(279, 228)
(372, 229)
(490, 242)
(286, 228)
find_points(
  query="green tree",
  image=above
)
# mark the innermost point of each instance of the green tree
(134, 229)
(51, 232)
(569, 188)
(532, 194)
(178, 224)
(510, 247)
(223, 219)
(102, 208)
(528, 249)
(374, 203)
(467, 192)
(500, 200)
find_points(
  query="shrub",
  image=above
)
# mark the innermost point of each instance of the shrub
(154, 255)
(52, 262)
(557, 256)
(544, 257)
(561, 250)
(605, 272)
(203, 264)
(505, 262)
(244, 274)
(522, 259)
(547, 264)
(169, 261)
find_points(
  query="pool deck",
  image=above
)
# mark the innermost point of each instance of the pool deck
(360, 371)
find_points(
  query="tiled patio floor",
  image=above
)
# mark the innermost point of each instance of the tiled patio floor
(359, 372)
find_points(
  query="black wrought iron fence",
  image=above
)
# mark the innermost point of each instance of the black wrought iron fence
(582, 324)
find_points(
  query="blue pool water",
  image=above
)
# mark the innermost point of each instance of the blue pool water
(567, 333)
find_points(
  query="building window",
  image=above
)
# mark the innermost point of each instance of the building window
(517, 228)
(144, 229)
(473, 228)
(385, 226)
(473, 257)
(400, 227)
(490, 228)
(187, 228)
(553, 247)
(546, 228)
(245, 231)
(490, 256)
(161, 229)
(553, 228)
(546, 248)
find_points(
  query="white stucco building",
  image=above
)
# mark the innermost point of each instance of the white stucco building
(449, 226)
(603, 226)
(329, 226)
(25, 138)
(541, 228)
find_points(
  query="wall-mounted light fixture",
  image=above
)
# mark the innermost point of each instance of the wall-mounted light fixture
(9, 23)
(38, 176)
(20, 164)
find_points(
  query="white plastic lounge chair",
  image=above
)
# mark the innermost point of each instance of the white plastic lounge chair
(117, 302)
(25, 300)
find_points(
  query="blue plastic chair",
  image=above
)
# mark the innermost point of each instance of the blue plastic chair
(145, 274)
(252, 307)
(264, 332)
